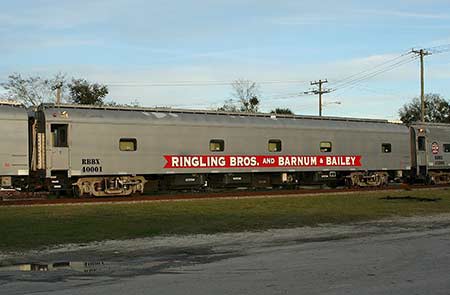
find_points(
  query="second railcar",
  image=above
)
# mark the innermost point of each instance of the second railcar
(430, 152)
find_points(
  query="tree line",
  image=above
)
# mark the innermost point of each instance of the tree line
(34, 90)
(437, 110)
(246, 97)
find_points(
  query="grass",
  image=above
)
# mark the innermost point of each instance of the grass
(36, 227)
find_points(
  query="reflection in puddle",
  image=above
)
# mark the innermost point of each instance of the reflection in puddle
(134, 264)
(80, 266)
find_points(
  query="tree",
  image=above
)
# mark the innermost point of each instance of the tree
(32, 91)
(251, 105)
(437, 110)
(229, 106)
(282, 111)
(246, 93)
(83, 92)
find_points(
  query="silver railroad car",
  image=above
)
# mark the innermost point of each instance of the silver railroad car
(13, 145)
(105, 151)
(430, 152)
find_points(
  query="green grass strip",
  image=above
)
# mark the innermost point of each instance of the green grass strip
(35, 227)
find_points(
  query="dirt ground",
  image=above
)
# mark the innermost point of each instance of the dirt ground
(230, 241)
(389, 256)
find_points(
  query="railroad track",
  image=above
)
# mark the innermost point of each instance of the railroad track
(13, 195)
(28, 199)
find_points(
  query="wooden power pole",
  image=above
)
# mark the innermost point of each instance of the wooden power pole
(58, 87)
(422, 53)
(320, 91)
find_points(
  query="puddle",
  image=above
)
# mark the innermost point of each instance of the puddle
(127, 265)
(410, 198)
(79, 266)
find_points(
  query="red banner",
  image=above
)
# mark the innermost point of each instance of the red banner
(249, 161)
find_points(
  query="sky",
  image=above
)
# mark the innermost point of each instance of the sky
(185, 54)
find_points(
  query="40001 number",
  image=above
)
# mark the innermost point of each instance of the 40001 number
(92, 169)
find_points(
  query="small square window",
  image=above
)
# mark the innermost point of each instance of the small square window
(446, 148)
(59, 134)
(386, 147)
(216, 145)
(274, 145)
(128, 144)
(325, 146)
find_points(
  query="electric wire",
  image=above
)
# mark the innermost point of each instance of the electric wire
(386, 66)
(439, 49)
(373, 74)
(195, 83)
(372, 68)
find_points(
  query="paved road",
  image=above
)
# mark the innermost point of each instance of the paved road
(412, 260)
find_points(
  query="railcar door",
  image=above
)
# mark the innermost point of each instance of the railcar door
(421, 154)
(59, 147)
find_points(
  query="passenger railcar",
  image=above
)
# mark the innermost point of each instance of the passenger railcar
(103, 151)
(13, 146)
(430, 152)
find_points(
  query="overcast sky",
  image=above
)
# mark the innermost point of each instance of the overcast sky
(143, 43)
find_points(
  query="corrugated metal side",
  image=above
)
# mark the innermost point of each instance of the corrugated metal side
(13, 141)
(95, 135)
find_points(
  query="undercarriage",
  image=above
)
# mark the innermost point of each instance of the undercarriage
(109, 186)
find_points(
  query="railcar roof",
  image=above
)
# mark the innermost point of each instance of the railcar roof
(210, 112)
(429, 124)
(11, 111)
(202, 117)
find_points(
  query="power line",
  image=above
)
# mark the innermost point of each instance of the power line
(193, 83)
(372, 68)
(372, 74)
(381, 68)
(355, 79)
(377, 90)
(398, 61)
(439, 49)
(286, 95)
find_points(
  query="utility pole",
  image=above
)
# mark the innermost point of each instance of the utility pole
(58, 87)
(320, 91)
(422, 53)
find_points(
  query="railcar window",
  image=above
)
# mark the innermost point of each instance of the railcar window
(59, 135)
(325, 146)
(386, 147)
(446, 148)
(128, 144)
(274, 145)
(421, 143)
(216, 145)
